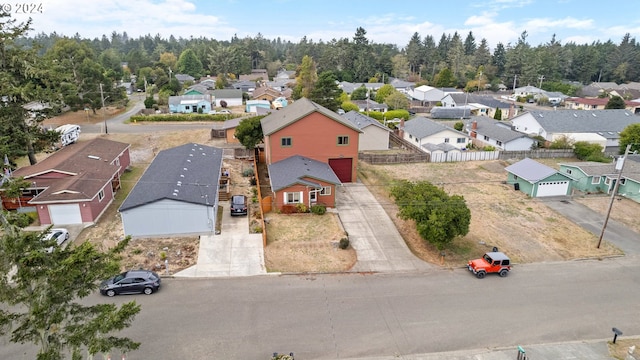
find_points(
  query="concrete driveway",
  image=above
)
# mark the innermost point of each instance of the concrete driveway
(373, 235)
(233, 252)
(616, 233)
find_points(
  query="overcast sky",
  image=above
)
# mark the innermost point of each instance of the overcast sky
(386, 21)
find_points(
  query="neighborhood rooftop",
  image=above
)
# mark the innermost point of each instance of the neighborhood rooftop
(188, 173)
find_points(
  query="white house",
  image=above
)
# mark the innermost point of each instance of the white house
(421, 131)
(487, 131)
(548, 124)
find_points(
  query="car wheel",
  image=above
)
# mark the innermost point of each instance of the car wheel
(504, 272)
(111, 293)
(148, 291)
(480, 274)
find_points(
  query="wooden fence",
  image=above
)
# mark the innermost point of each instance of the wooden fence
(537, 154)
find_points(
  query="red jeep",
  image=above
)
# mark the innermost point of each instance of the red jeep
(491, 262)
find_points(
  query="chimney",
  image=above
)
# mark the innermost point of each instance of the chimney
(474, 127)
(511, 111)
(401, 128)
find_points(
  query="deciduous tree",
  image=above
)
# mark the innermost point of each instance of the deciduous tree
(439, 218)
(630, 135)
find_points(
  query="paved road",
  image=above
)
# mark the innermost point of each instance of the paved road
(358, 316)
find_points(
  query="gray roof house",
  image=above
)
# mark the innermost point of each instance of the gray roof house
(552, 125)
(537, 180)
(498, 134)
(421, 131)
(370, 105)
(232, 97)
(478, 104)
(182, 78)
(300, 180)
(177, 194)
(374, 136)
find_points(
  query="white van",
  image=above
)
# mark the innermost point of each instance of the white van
(69, 134)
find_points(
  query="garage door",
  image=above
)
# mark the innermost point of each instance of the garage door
(552, 188)
(65, 214)
(342, 168)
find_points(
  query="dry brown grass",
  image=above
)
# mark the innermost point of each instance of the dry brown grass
(620, 349)
(524, 228)
(306, 243)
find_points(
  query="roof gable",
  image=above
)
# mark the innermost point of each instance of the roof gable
(421, 127)
(362, 121)
(584, 120)
(295, 169)
(531, 170)
(298, 110)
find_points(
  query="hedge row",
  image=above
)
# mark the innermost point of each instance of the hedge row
(183, 117)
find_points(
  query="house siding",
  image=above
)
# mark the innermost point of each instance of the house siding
(314, 137)
(327, 200)
(96, 207)
(373, 138)
(230, 136)
(439, 138)
(166, 217)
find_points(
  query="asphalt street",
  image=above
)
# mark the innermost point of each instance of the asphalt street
(348, 316)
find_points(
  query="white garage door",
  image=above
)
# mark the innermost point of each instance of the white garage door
(552, 188)
(65, 214)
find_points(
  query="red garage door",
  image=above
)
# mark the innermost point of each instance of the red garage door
(342, 168)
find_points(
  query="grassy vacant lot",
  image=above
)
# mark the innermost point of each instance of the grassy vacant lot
(306, 243)
(524, 228)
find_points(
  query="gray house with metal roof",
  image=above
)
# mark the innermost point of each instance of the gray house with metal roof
(374, 136)
(177, 194)
(537, 180)
(552, 125)
(478, 104)
(498, 134)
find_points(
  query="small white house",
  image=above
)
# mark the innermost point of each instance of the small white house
(421, 131)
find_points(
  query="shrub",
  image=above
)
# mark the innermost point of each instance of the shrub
(253, 181)
(489, 148)
(344, 243)
(318, 209)
(247, 172)
(301, 208)
(20, 220)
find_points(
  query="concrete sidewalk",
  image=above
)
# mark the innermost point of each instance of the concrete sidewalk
(582, 350)
(379, 245)
(233, 252)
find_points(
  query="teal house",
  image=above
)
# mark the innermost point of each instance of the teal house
(538, 180)
(594, 177)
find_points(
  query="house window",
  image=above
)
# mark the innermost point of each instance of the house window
(446, 140)
(292, 197)
(417, 140)
(285, 142)
(623, 181)
(101, 195)
(343, 140)
(410, 136)
(313, 196)
(568, 171)
(462, 140)
(595, 180)
(486, 138)
(326, 190)
(607, 181)
(499, 143)
(117, 161)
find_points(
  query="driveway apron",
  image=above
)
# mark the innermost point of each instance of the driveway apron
(373, 235)
(616, 233)
(233, 252)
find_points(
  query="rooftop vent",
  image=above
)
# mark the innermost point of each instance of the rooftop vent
(94, 157)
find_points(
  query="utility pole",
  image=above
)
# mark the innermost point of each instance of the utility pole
(541, 77)
(515, 77)
(104, 117)
(620, 164)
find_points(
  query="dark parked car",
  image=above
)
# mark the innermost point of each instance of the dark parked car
(238, 205)
(131, 282)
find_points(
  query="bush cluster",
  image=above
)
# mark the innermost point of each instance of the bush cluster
(183, 117)
(318, 209)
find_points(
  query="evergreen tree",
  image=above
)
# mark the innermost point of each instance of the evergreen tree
(306, 78)
(326, 92)
(189, 63)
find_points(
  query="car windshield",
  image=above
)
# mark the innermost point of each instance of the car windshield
(487, 258)
(238, 200)
(119, 277)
